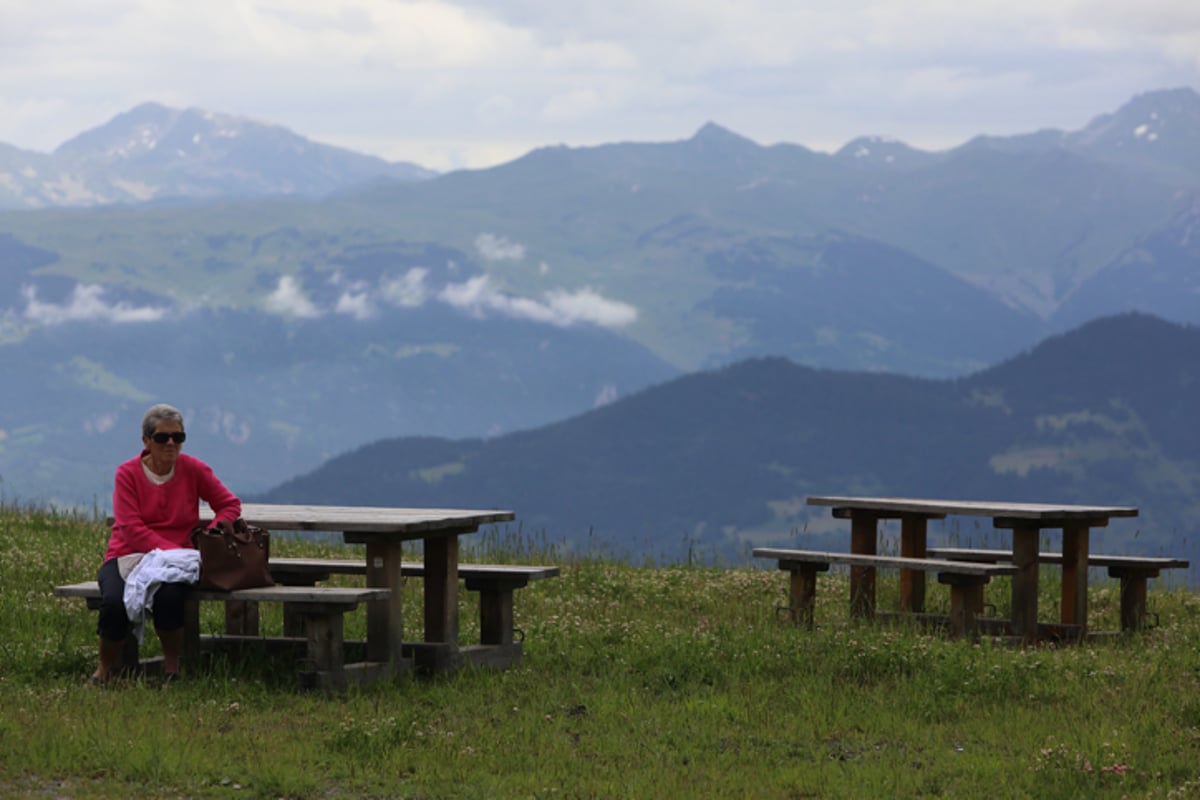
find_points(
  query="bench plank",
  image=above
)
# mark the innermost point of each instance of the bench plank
(323, 567)
(961, 567)
(321, 608)
(964, 578)
(1046, 557)
(1132, 571)
(494, 582)
(322, 595)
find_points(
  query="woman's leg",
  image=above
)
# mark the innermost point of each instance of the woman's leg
(172, 646)
(113, 625)
(168, 623)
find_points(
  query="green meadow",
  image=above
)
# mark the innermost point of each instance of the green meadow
(637, 682)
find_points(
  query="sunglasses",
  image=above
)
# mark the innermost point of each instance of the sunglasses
(178, 437)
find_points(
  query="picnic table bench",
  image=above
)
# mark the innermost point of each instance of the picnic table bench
(1132, 571)
(961, 576)
(495, 584)
(320, 609)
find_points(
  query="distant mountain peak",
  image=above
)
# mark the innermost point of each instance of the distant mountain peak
(713, 135)
(880, 151)
(1158, 130)
(189, 132)
(150, 109)
(1147, 119)
(153, 152)
(1170, 102)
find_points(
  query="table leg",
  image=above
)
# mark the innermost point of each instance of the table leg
(496, 615)
(864, 529)
(1025, 583)
(802, 594)
(241, 617)
(963, 606)
(441, 590)
(326, 648)
(1133, 595)
(912, 582)
(385, 620)
(1075, 576)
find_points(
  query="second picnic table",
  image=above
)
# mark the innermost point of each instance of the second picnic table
(1025, 520)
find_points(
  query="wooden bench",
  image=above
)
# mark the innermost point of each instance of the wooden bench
(963, 578)
(1132, 571)
(319, 610)
(494, 582)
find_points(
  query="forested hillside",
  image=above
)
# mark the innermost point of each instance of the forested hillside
(723, 459)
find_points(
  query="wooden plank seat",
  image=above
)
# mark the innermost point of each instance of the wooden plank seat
(319, 609)
(963, 578)
(1132, 571)
(495, 583)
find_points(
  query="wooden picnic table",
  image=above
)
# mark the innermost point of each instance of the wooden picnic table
(1025, 520)
(384, 530)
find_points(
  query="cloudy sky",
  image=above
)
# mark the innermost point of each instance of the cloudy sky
(471, 83)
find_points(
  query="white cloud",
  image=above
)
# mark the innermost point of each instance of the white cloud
(607, 394)
(478, 296)
(498, 248)
(354, 300)
(398, 77)
(573, 104)
(338, 278)
(586, 305)
(408, 291)
(475, 295)
(86, 304)
(289, 300)
(100, 423)
(235, 430)
(356, 304)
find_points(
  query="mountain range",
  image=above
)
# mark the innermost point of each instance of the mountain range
(152, 153)
(299, 301)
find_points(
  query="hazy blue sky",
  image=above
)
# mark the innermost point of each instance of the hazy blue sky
(469, 83)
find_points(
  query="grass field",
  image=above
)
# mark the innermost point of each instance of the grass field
(671, 681)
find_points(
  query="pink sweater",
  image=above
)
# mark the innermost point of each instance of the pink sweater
(149, 515)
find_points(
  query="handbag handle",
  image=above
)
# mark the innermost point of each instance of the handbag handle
(245, 535)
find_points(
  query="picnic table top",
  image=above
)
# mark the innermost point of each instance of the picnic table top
(362, 519)
(366, 519)
(915, 505)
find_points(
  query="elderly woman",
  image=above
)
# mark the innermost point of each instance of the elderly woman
(156, 504)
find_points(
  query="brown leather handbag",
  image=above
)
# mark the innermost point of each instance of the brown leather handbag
(237, 560)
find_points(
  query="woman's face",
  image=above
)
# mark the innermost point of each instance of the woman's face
(165, 452)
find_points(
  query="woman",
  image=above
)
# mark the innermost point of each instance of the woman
(156, 502)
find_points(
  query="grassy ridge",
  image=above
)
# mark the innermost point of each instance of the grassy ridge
(637, 682)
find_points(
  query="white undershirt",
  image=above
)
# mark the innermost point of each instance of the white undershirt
(156, 478)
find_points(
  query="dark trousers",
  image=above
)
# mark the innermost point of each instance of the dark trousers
(114, 622)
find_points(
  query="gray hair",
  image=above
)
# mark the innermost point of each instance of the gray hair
(159, 414)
